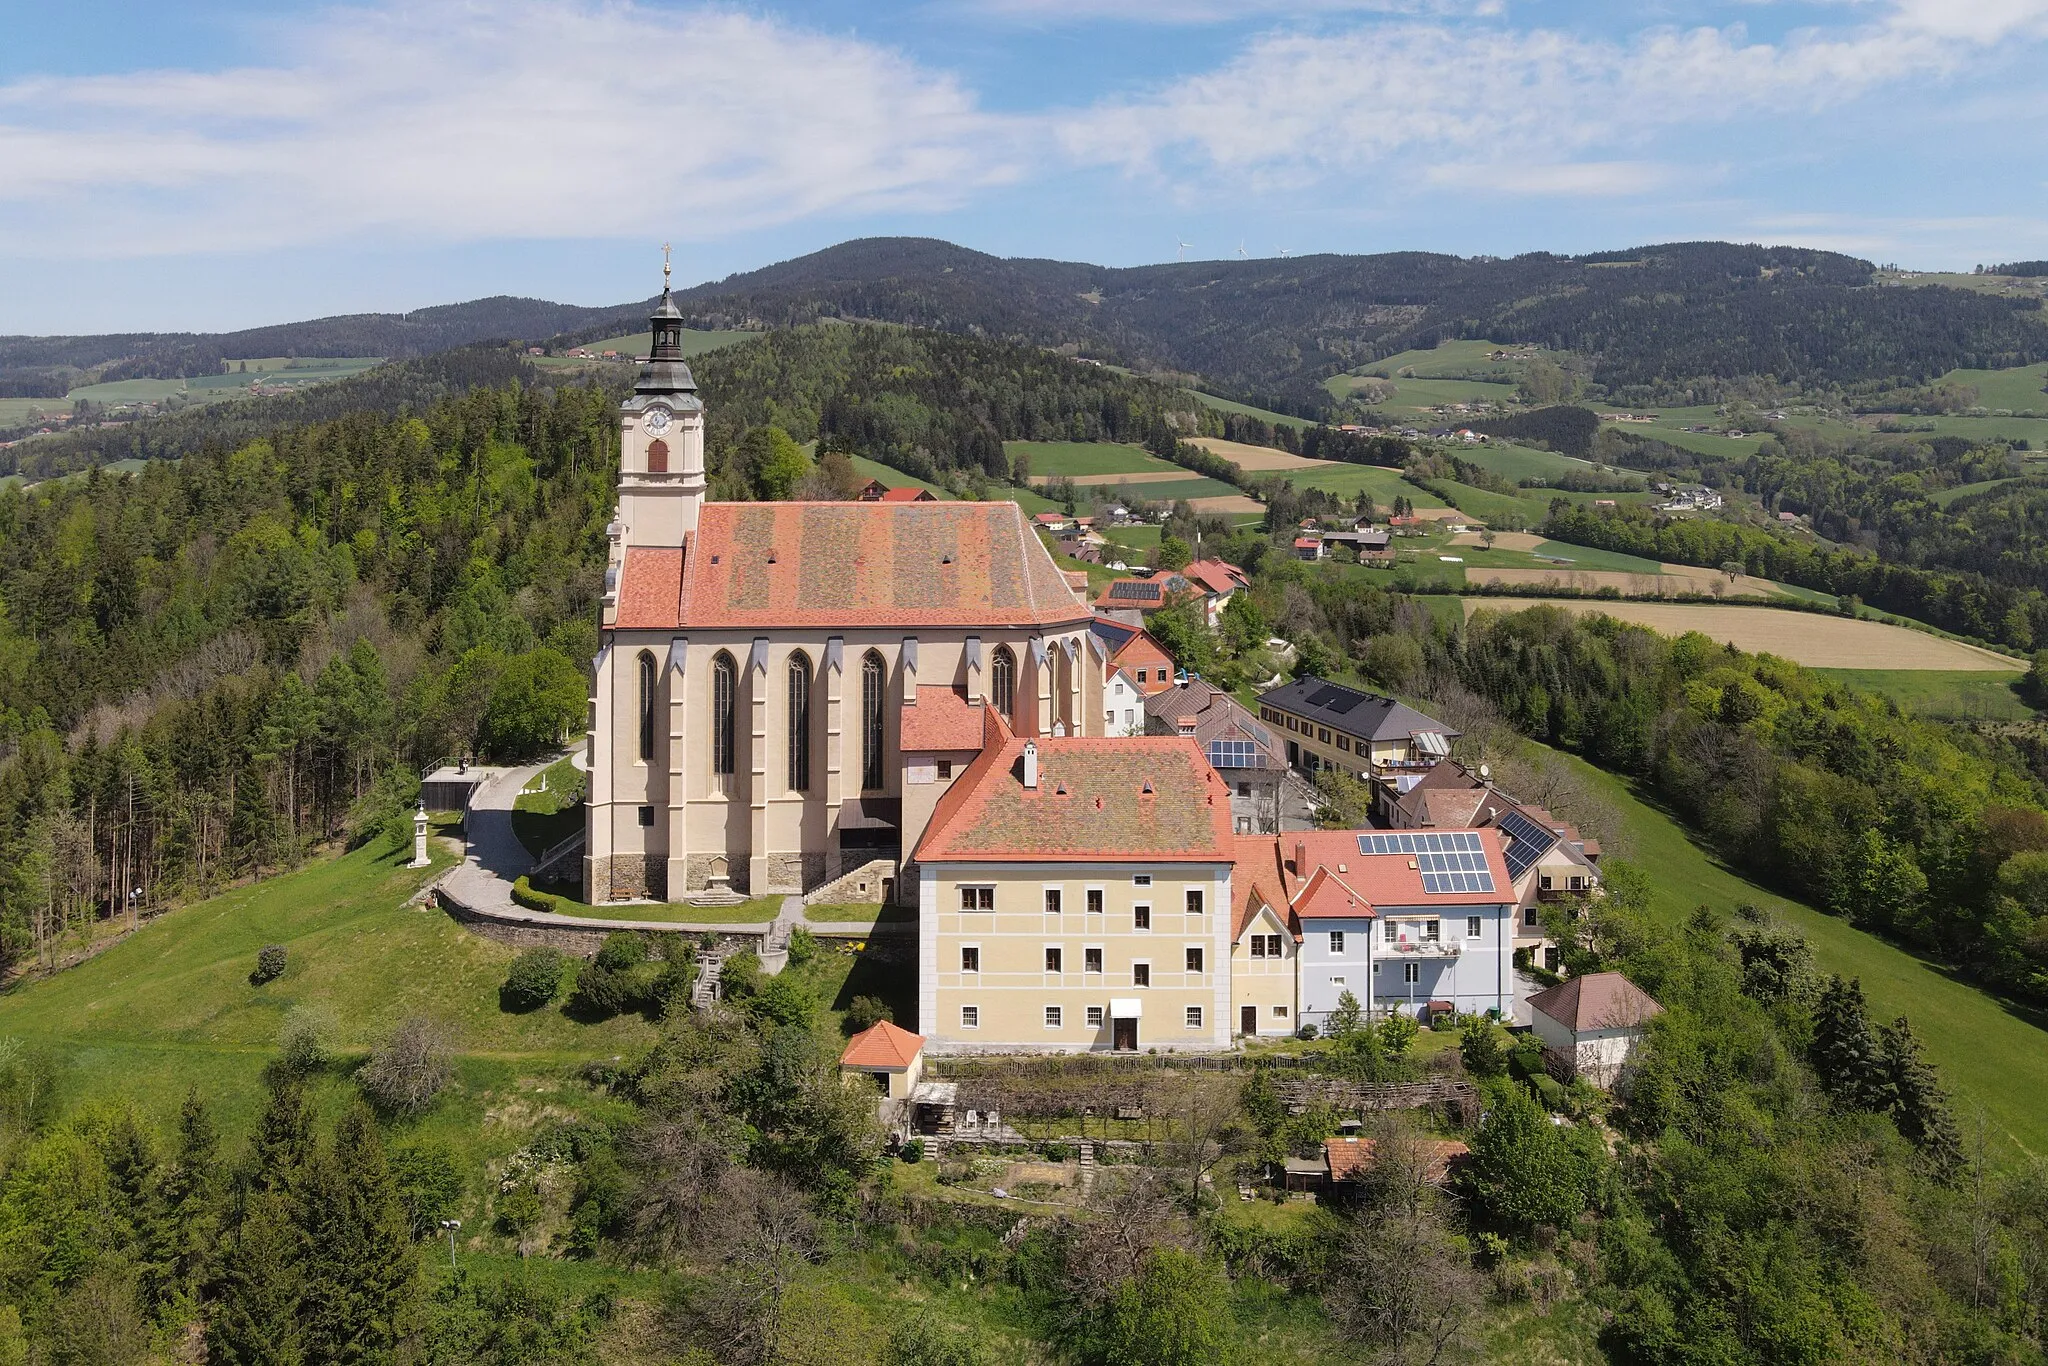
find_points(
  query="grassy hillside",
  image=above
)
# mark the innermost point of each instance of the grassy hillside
(1945, 694)
(171, 1007)
(1993, 1055)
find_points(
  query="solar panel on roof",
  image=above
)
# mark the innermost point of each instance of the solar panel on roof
(1527, 841)
(1134, 590)
(1449, 862)
(1233, 753)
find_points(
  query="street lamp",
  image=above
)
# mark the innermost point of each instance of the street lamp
(451, 1225)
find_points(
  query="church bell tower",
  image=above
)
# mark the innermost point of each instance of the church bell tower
(661, 438)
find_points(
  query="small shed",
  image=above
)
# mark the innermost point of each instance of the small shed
(889, 1055)
(449, 787)
(1590, 1024)
(1343, 1156)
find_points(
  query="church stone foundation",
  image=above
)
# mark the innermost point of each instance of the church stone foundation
(628, 877)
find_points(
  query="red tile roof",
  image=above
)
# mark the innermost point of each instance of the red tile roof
(1091, 804)
(1325, 896)
(943, 719)
(755, 565)
(907, 495)
(1344, 1156)
(1597, 1000)
(1257, 881)
(1387, 880)
(1306, 543)
(1218, 576)
(882, 1044)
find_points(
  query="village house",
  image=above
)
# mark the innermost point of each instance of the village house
(1308, 547)
(1074, 895)
(1123, 705)
(875, 491)
(1133, 599)
(1218, 581)
(887, 1055)
(1547, 859)
(1131, 649)
(1239, 747)
(1265, 940)
(1377, 739)
(1590, 1025)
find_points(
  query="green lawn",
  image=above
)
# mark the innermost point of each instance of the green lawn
(1224, 405)
(171, 1007)
(1085, 457)
(1523, 462)
(1586, 557)
(2022, 389)
(1346, 481)
(1165, 490)
(550, 809)
(894, 478)
(1949, 695)
(757, 911)
(1947, 496)
(1993, 1055)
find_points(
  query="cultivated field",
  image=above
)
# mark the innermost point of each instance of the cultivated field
(1258, 459)
(1228, 503)
(1668, 580)
(1166, 476)
(1502, 540)
(1823, 642)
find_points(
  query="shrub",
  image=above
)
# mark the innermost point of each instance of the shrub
(803, 946)
(922, 1342)
(526, 894)
(782, 1000)
(519, 1209)
(1305, 1033)
(429, 1180)
(270, 960)
(1397, 1034)
(303, 1044)
(740, 975)
(913, 1151)
(1479, 1046)
(622, 950)
(535, 978)
(600, 993)
(1548, 1091)
(865, 1012)
(405, 1075)
(670, 989)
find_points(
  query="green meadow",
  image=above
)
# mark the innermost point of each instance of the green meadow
(1943, 694)
(1085, 457)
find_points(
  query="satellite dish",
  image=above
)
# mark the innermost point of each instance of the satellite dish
(1484, 772)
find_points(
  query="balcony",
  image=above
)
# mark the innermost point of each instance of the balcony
(1425, 948)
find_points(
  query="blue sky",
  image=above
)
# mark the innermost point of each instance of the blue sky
(222, 163)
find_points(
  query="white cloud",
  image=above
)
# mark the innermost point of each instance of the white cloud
(1188, 12)
(1581, 179)
(461, 120)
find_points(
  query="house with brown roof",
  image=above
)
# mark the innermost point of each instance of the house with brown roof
(907, 495)
(1074, 894)
(886, 1055)
(1265, 940)
(1244, 753)
(1217, 581)
(1590, 1025)
(1132, 599)
(1132, 649)
(758, 663)
(1350, 1156)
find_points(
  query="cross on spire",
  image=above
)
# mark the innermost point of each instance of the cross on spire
(664, 267)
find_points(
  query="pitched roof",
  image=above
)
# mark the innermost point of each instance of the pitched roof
(1256, 881)
(1344, 1156)
(1597, 1000)
(1362, 714)
(1389, 880)
(907, 495)
(1325, 896)
(882, 1044)
(1090, 805)
(1158, 591)
(1119, 637)
(757, 565)
(1216, 716)
(1218, 576)
(942, 719)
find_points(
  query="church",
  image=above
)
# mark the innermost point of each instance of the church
(783, 690)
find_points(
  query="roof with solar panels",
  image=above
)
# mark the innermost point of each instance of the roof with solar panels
(1365, 715)
(1401, 869)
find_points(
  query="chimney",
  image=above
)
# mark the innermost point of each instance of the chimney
(1300, 859)
(1031, 763)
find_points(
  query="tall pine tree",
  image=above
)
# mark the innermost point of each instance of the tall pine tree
(260, 1293)
(1845, 1052)
(362, 1271)
(1920, 1105)
(190, 1189)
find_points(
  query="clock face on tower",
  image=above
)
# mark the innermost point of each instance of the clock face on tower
(657, 420)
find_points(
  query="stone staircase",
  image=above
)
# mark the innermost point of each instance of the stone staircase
(553, 859)
(704, 991)
(1087, 1167)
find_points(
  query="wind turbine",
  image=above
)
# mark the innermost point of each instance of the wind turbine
(1242, 254)
(1183, 247)
(1283, 253)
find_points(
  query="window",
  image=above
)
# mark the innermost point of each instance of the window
(1094, 901)
(1194, 959)
(646, 705)
(799, 722)
(1273, 946)
(1141, 675)
(872, 688)
(1194, 901)
(1529, 917)
(1194, 1017)
(1471, 927)
(1141, 917)
(1336, 981)
(970, 958)
(1091, 960)
(1052, 901)
(945, 770)
(723, 678)
(646, 814)
(1244, 790)
(1336, 943)
(1258, 945)
(1141, 879)
(1578, 884)
(657, 457)
(1411, 972)
(1323, 734)
(1279, 1012)
(1052, 1017)
(1344, 744)
(1002, 681)
(970, 1017)
(1390, 932)
(1141, 974)
(1093, 1015)
(977, 898)
(1432, 931)
(1052, 959)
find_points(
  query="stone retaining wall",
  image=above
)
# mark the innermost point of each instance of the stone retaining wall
(584, 939)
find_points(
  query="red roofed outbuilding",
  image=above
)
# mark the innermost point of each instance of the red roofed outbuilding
(890, 1055)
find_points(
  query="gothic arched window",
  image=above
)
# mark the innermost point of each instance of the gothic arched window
(1002, 679)
(647, 681)
(874, 688)
(657, 457)
(800, 722)
(723, 678)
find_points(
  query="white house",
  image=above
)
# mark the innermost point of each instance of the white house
(1591, 1024)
